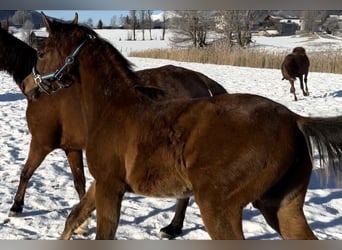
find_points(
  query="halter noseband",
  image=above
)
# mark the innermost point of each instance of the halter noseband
(43, 81)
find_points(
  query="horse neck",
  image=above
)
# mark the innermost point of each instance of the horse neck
(17, 58)
(105, 88)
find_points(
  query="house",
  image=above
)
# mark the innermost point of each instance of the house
(283, 25)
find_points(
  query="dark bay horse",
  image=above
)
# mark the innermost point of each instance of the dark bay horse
(56, 121)
(296, 65)
(227, 150)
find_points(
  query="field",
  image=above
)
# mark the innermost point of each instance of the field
(51, 195)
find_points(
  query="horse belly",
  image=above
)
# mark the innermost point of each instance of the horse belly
(159, 181)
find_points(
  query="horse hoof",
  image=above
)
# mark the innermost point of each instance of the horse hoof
(82, 229)
(14, 214)
(16, 210)
(170, 232)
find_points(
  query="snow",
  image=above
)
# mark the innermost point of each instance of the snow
(51, 195)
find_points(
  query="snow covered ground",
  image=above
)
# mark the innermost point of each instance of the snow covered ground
(51, 194)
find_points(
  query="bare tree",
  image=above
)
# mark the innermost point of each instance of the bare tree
(150, 22)
(21, 16)
(331, 25)
(313, 19)
(89, 22)
(236, 26)
(113, 21)
(142, 17)
(164, 25)
(192, 27)
(134, 22)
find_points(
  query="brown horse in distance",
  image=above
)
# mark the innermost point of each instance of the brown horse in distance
(296, 65)
(227, 150)
(56, 121)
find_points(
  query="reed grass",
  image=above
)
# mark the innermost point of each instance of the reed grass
(329, 61)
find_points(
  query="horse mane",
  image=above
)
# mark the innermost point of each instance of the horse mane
(16, 57)
(123, 67)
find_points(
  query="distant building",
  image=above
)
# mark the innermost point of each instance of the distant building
(277, 25)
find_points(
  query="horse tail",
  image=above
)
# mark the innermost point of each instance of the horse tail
(215, 88)
(324, 134)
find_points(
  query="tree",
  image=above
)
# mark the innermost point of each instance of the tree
(191, 27)
(331, 25)
(236, 26)
(164, 21)
(313, 19)
(142, 17)
(100, 24)
(113, 21)
(89, 22)
(134, 22)
(150, 23)
(21, 16)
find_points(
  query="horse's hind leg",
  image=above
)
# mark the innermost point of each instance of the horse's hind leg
(222, 218)
(80, 213)
(282, 206)
(292, 89)
(35, 157)
(176, 225)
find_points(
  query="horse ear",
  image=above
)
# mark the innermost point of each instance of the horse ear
(4, 25)
(75, 21)
(47, 22)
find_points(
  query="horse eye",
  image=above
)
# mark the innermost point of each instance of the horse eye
(40, 54)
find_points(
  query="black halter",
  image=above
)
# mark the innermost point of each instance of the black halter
(44, 81)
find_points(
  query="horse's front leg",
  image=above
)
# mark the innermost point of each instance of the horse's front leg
(76, 165)
(305, 93)
(306, 84)
(35, 157)
(108, 196)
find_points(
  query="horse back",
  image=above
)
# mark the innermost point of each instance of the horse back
(195, 139)
(178, 82)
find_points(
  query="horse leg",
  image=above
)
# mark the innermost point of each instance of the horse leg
(80, 213)
(222, 218)
(292, 89)
(108, 204)
(282, 205)
(302, 86)
(35, 157)
(306, 84)
(76, 165)
(176, 225)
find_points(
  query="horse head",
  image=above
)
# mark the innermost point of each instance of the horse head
(56, 54)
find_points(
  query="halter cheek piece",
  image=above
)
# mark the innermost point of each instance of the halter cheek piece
(43, 81)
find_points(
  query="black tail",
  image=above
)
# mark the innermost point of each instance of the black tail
(325, 134)
(216, 89)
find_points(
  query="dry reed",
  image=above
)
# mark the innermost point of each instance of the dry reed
(329, 62)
